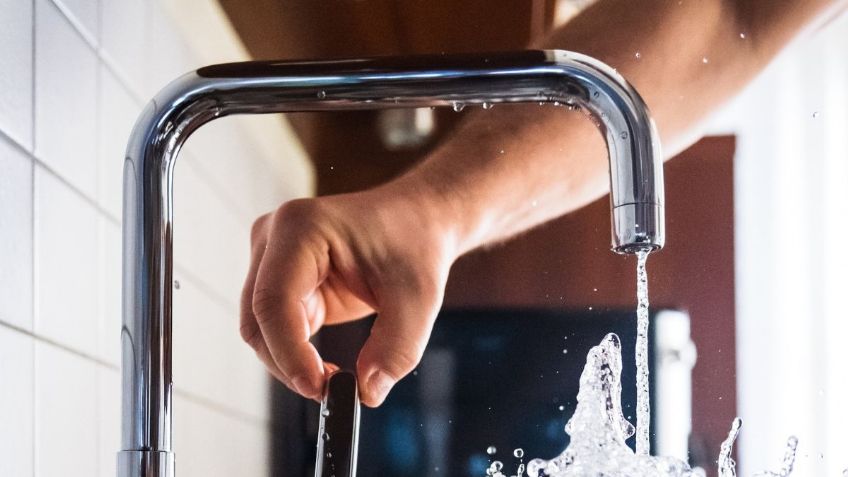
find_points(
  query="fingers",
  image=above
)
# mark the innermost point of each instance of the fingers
(284, 297)
(249, 329)
(397, 340)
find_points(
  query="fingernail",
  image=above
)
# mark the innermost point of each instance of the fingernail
(303, 386)
(380, 384)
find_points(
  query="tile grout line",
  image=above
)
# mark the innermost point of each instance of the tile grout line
(77, 24)
(189, 395)
(222, 408)
(43, 339)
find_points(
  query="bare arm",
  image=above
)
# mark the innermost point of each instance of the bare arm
(686, 58)
(389, 249)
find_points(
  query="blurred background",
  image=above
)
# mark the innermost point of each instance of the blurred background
(753, 264)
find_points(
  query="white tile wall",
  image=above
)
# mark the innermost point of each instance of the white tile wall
(109, 410)
(119, 111)
(73, 77)
(16, 70)
(83, 14)
(124, 39)
(16, 403)
(15, 236)
(65, 98)
(206, 331)
(65, 413)
(206, 444)
(65, 264)
(109, 293)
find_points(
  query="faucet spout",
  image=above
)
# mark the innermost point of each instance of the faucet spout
(636, 184)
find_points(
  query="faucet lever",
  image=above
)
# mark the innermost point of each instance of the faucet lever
(338, 432)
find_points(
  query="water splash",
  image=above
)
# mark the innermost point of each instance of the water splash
(599, 430)
(788, 460)
(726, 464)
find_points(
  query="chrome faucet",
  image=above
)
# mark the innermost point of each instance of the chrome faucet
(636, 199)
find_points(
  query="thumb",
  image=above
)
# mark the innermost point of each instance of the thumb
(400, 333)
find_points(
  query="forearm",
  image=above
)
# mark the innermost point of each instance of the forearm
(511, 168)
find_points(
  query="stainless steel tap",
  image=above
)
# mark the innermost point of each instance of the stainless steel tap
(636, 199)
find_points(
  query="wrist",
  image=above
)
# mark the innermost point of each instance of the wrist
(443, 214)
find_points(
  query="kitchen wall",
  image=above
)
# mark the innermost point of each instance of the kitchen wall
(74, 74)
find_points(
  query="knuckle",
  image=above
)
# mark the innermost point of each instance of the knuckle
(250, 333)
(296, 211)
(257, 230)
(265, 304)
(401, 357)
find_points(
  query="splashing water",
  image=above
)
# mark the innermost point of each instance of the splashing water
(599, 430)
(643, 398)
(726, 464)
(788, 460)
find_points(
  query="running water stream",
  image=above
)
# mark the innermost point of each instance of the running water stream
(643, 396)
(599, 430)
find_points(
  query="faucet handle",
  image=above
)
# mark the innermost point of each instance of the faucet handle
(338, 431)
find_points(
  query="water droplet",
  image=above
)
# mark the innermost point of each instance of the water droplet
(324, 436)
(415, 373)
(322, 94)
(497, 466)
(638, 55)
(561, 408)
(705, 60)
(519, 453)
(502, 151)
(596, 94)
(325, 413)
(565, 351)
(742, 36)
(487, 105)
(534, 203)
(816, 114)
(177, 284)
(594, 289)
(623, 135)
(329, 455)
(491, 450)
(590, 308)
(458, 106)
(557, 103)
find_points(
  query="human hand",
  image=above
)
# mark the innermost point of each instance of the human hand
(334, 259)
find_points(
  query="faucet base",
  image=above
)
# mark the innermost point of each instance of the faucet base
(145, 464)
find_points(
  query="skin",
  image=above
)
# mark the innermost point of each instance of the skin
(334, 259)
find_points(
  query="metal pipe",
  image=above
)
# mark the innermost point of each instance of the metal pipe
(636, 198)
